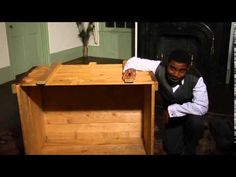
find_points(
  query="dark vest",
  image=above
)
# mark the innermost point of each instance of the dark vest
(184, 93)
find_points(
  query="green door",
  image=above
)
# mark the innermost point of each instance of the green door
(28, 45)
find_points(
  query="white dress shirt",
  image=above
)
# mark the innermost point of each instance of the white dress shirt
(199, 103)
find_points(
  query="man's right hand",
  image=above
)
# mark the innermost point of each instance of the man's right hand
(129, 74)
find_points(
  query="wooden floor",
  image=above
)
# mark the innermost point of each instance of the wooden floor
(11, 141)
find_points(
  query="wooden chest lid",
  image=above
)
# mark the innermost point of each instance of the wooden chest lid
(82, 74)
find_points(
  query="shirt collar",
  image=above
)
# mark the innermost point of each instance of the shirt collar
(177, 86)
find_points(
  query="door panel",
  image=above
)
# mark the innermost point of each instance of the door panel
(17, 55)
(25, 45)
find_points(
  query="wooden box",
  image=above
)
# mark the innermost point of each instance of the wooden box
(86, 109)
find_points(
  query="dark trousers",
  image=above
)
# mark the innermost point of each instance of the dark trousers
(181, 134)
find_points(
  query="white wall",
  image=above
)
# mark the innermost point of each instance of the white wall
(64, 35)
(4, 52)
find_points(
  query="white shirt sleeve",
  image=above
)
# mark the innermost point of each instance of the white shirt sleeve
(142, 64)
(198, 106)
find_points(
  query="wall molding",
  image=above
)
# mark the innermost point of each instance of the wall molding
(66, 55)
(6, 74)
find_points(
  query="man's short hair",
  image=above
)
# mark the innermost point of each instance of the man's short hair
(180, 56)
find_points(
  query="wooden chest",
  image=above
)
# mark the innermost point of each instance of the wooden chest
(86, 109)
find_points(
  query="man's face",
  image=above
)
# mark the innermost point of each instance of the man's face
(176, 71)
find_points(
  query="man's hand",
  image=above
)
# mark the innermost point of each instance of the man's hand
(129, 75)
